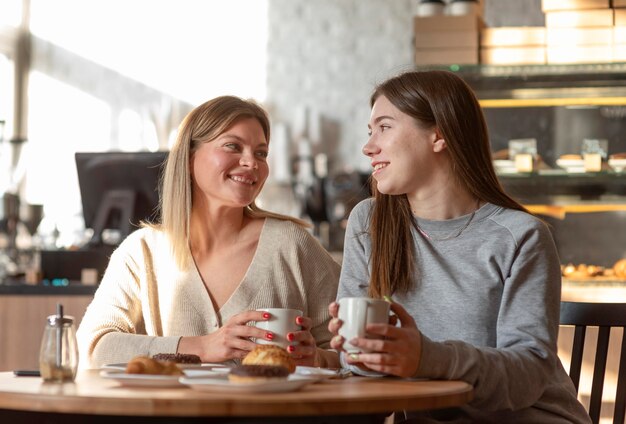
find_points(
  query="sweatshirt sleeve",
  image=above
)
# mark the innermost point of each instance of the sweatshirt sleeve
(355, 268)
(113, 329)
(322, 290)
(515, 373)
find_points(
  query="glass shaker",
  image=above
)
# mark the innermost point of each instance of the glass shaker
(58, 358)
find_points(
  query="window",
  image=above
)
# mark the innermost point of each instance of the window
(121, 75)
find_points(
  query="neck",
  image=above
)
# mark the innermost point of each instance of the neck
(218, 227)
(444, 204)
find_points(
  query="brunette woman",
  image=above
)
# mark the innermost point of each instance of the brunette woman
(475, 279)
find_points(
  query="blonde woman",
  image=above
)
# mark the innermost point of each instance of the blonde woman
(475, 279)
(192, 283)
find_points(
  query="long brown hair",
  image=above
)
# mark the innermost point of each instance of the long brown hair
(202, 125)
(442, 100)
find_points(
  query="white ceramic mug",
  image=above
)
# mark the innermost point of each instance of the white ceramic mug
(356, 313)
(281, 322)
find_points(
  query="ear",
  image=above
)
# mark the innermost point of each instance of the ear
(439, 143)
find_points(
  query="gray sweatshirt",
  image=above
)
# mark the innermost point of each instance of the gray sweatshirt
(487, 305)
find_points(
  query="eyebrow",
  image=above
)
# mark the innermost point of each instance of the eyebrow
(236, 137)
(380, 118)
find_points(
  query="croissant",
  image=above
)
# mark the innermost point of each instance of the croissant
(145, 365)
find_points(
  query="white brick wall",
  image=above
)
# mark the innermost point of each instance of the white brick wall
(327, 55)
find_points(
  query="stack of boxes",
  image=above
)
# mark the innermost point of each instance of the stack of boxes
(619, 31)
(447, 40)
(513, 46)
(578, 31)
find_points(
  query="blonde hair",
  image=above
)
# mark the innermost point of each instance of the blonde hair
(442, 100)
(202, 125)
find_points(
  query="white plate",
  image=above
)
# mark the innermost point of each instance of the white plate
(571, 165)
(617, 164)
(505, 166)
(148, 380)
(319, 373)
(206, 365)
(222, 384)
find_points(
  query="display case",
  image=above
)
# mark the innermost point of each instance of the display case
(560, 106)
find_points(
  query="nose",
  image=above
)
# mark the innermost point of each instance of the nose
(370, 148)
(249, 161)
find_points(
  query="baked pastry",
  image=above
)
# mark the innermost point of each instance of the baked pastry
(270, 355)
(620, 268)
(257, 373)
(146, 365)
(582, 271)
(179, 358)
(571, 157)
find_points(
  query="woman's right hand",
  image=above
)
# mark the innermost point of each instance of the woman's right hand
(232, 341)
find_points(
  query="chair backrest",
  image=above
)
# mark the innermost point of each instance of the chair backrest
(604, 316)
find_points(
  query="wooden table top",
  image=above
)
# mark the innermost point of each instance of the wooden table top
(92, 394)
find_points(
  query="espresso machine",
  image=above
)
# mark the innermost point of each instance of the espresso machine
(328, 200)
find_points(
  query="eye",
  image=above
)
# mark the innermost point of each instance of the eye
(262, 154)
(369, 133)
(232, 146)
(384, 127)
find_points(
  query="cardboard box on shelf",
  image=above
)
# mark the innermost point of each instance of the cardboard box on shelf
(551, 5)
(446, 56)
(579, 54)
(447, 39)
(619, 52)
(513, 36)
(531, 55)
(620, 17)
(444, 23)
(579, 36)
(619, 35)
(579, 18)
(619, 3)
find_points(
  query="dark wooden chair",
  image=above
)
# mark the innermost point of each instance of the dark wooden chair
(604, 316)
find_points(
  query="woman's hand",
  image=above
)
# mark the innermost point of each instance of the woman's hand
(305, 352)
(334, 325)
(397, 352)
(232, 341)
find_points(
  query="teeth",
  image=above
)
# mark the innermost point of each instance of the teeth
(241, 179)
(380, 166)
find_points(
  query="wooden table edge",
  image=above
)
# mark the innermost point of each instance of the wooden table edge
(212, 405)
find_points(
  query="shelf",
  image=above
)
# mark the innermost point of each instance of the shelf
(529, 71)
(545, 85)
(552, 101)
(559, 211)
(542, 187)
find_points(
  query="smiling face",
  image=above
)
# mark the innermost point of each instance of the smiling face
(231, 170)
(403, 155)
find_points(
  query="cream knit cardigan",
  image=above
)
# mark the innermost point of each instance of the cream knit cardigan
(145, 303)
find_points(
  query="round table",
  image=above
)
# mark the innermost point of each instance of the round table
(94, 395)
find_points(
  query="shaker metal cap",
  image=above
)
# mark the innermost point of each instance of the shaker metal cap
(57, 321)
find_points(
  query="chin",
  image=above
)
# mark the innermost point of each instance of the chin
(382, 188)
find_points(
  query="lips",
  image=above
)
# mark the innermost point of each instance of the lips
(243, 179)
(378, 166)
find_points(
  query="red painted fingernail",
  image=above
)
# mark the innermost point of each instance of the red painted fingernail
(266, 315)
(291, 348)
(299, 320)
(290, 337)
(269, 336)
